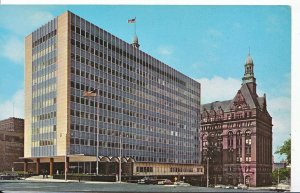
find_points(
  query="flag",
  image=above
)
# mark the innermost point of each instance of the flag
(91, 93)
(131, 20)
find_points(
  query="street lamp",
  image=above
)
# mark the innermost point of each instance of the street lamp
(66, 167)
(207, 170)
(93, 93)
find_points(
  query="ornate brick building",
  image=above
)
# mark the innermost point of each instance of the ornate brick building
(237, 136)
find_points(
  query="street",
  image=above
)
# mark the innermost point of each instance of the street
(38, 186)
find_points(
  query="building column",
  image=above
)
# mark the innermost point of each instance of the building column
(51, 167)
(37, 166)
(253, 148)
(25, 165)
(67, 164)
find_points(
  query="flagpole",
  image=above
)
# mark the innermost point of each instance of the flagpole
(135, 26)
(97, 152)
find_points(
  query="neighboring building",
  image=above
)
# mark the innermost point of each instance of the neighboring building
(148, 106)
(11, 142)
(237, 136)
(279, 165)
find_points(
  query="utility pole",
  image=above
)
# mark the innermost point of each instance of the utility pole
(66, 164)
(278, 177)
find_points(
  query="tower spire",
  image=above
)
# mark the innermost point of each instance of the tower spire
(249, 78)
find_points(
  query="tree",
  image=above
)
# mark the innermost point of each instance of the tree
(284, 173)
(213, 153)
(285, 149)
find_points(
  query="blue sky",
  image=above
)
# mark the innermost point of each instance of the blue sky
(207, 43)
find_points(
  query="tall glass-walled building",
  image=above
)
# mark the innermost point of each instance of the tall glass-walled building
(145, 108)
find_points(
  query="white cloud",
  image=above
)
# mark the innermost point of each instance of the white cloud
(26, 21)
(16, 101)
(280, 110)
(13, 49)
(16, 27)
(218, 88)
(165, 50)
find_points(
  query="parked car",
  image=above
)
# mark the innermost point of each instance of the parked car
(218, 186)
(229, 187)
(147, 180)
(164, 182)
(242, 186)
(181, 183)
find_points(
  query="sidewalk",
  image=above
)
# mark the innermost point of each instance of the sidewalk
(50, 179)
(274, 187)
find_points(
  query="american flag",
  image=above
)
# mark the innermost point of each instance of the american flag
(91, 93)
(131, 20)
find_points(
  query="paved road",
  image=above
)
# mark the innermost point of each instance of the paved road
(26, 186)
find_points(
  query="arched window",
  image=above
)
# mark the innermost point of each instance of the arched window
(248, 137)
(238, 138)
(205, 115)
(220, 113)
(230, 146)
(204, 140)
(230, 139)
(212, 115)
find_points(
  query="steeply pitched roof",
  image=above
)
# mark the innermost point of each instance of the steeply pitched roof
(244, 94)
(215, 105)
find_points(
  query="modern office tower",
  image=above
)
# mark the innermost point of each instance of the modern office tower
(237, 136)
(144, 111)
(11, 142)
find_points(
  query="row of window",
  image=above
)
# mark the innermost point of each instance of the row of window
(207, 117)
(50, 48)
(88, 129)
(44, 38)
(125, 77)
(44, 90)
(110, 71)
(44, 116)
(116, 145)
(43, 129)
(144, 169)
(98, 40)
(113, 96)
(43, 64)
(44, 104)
(238, 169)
(211, 127)
(177, 169)
(239, 124)
(9, 138)
(43, 78)
(112, 108)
